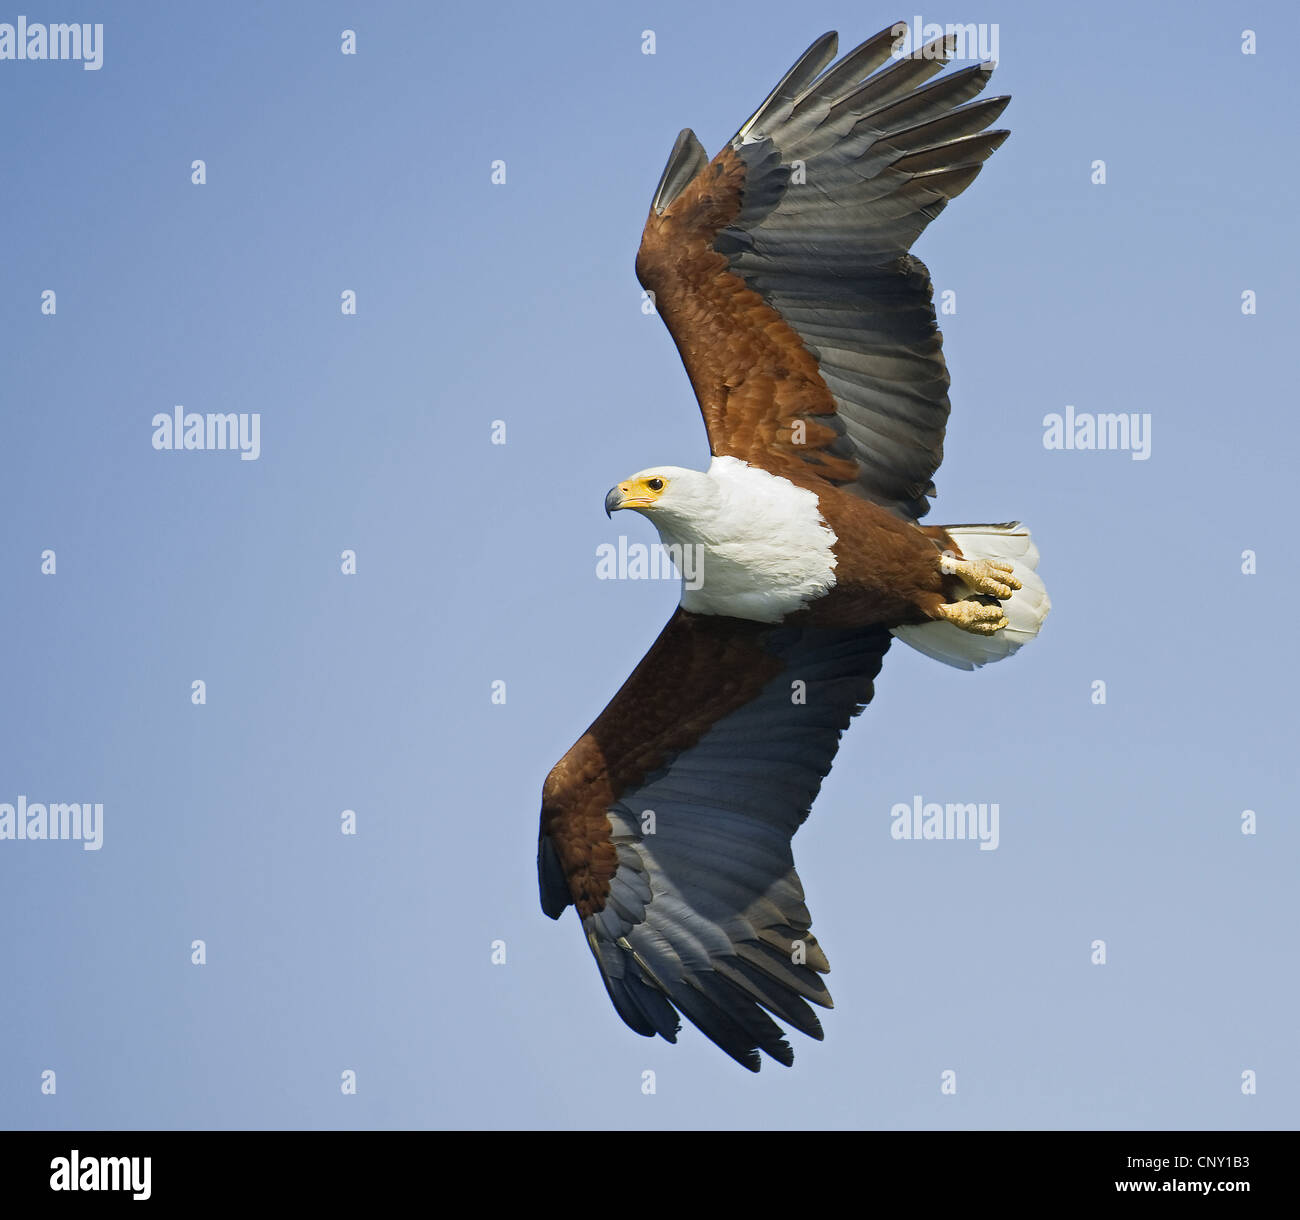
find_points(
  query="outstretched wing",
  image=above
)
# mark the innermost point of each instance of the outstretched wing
(668, 826)
(781, 267)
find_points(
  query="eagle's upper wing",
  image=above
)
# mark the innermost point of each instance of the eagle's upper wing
(668, 825)
(781, 267)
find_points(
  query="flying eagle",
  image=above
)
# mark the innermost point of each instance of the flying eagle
(781, 269)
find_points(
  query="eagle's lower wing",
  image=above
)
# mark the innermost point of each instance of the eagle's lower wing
(781, 268)
(669, 823)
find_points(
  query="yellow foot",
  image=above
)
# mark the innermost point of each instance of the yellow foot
(974, 616)
(984, 576)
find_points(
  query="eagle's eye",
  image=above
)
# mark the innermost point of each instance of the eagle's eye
(655, 484)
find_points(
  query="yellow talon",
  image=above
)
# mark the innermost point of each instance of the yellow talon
(973, 616)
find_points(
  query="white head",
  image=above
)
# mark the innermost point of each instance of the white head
(679, 502)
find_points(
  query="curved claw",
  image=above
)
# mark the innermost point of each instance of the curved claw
(986, 576)
(973, 616)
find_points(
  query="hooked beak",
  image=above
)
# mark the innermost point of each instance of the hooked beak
(617, 498)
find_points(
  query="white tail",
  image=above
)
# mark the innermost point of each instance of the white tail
(1025, 609)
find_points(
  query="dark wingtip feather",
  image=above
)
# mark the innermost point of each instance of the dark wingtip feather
(684, 162)
(845, 76)
(806, 69)
(553, 888)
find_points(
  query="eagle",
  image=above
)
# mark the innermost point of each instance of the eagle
(782, 270)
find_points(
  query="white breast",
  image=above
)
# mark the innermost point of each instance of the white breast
(762, 547)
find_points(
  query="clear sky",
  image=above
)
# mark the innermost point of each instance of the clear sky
(476, 563)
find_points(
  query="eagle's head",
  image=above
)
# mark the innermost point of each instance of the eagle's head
(668, 495)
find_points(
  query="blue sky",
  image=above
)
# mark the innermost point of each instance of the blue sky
(476, 563)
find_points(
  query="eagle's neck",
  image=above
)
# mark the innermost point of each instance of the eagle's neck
(759, 548)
